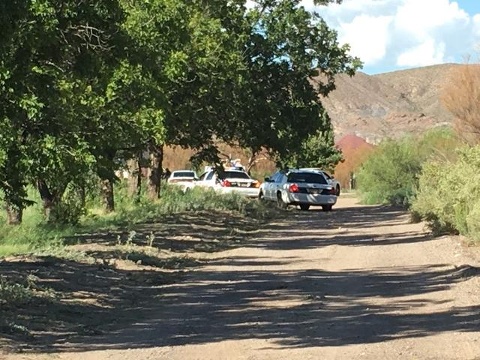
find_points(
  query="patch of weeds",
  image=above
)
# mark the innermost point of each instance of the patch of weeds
(128, 241)
(23, 291)
(150, 239)
(143, 258)
(66, 254)
(179, 262)
(14, 293)
(11, 328)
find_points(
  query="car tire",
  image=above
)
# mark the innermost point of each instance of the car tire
(337, 191)
(327, 207)
(280, 203)
(304, 207)
(261, 197)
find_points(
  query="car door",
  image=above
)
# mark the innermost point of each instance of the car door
(205, 179)
(269, 186)
(275, 185)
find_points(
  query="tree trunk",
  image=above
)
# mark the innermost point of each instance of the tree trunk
(134, 177)
(49, 199)
(154, 179)
(83, 195)
(107, 195)
(251, 162)
(14, 215)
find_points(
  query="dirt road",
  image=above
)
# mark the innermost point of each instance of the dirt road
(357, 283)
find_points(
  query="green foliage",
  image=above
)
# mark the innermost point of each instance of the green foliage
(70, 210)
(292, 59)
(34, 234)
(84, 87)
(316, 151)
(14, 293)
(449, 194)
(390, 175)
(174, 201)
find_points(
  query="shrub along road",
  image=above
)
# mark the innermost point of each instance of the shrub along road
(360, 282)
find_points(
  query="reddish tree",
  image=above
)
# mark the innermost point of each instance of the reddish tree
(355, 151)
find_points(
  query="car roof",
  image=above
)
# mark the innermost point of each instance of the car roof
(306, 170)
(183, 171)
(311, 169)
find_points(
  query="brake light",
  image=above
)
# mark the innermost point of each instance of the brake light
(226, 183)
(293, 188)
(332, 191)
(255, 184)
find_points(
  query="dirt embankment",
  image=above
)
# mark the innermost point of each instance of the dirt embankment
(357, 283)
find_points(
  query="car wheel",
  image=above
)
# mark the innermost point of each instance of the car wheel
(304, 207)
(280, 203)
(327, 207)
(261, 197)
(337, 192)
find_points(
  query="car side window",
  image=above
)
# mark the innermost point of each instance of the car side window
(202, 177)
(209, 176)
(278, 177)
(274, 177)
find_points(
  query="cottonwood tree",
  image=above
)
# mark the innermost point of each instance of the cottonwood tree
(280, 109)
(85, 86)
(48, 55)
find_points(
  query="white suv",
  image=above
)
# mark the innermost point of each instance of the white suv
(303, 187)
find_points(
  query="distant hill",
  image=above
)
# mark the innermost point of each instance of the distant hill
(390, 104)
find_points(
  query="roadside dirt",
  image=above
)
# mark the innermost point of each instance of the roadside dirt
(360, 282)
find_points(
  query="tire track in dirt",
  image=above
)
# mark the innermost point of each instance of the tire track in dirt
(355, 283)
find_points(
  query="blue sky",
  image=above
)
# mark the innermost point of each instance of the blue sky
(391, 35)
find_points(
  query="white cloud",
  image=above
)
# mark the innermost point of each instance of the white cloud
(476, 24)
(367, 36)
(429, 52)
(392, 34)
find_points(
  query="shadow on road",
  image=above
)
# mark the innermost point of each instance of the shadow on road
(225, 299)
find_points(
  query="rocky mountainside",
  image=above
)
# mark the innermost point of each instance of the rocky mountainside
(390, 104)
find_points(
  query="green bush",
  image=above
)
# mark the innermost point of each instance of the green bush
(390, 174)
(449, 194)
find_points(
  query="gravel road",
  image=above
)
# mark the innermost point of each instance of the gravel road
(360, 282)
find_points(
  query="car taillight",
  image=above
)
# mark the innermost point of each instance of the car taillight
(332, 191)
(226, 183)
(293, 188)
(255, 184)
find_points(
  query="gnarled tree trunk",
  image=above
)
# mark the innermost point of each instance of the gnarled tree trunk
(14, 214)
(134, 177)
(50, 199)
(155, 174)
(107, 195)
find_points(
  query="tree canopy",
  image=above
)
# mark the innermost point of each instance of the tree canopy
(86, 86)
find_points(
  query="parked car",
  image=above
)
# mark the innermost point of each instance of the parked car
(302, 187)
(230, 181)
(184, 178)
(331, 179)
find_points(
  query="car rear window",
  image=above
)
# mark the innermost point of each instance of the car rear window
(183, 174)
(299, 177)
(235, 175)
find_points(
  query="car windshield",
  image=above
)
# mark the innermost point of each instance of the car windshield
(235, 175)
(306, 177)
(188, 174)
